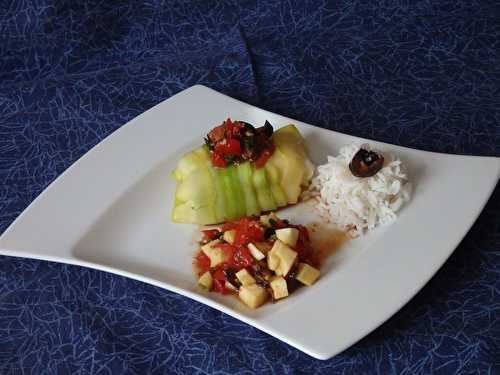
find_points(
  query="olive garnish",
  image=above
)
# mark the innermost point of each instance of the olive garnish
(268, 129)
(366, 163)
(231, 277)
(249, 130)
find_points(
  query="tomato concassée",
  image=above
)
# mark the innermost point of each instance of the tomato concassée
(258, 258)
(237, 141)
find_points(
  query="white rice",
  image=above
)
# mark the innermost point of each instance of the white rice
(358, 204)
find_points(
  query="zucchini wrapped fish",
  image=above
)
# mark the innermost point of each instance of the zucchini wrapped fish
(240, 171)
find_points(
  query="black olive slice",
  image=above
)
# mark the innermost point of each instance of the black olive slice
(268, 129)
(366, 163)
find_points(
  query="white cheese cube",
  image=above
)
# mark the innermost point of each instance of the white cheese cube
(230, 286)
(256, 253)
(307, 274)
(281, 258)
(253, 295)
(205, 281)
(229, 236)
(216, 255)
(279, 288)
(244, 277)
(288, 236)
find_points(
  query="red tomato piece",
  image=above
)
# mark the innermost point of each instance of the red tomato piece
(202, 262)
(233, 128)
(228, 249)
(242, 258)
(230, 147)
(229, 125)
(218, 160)
(218, 274)
(219, 281)
(248, 231)
(264, 157)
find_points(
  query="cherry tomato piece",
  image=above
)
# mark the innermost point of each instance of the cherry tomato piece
(230, 147)
(248, 231)
(233, 129)
(219, 281)
(264, 157)
(242, 258)
(202, 263)
(218, 160)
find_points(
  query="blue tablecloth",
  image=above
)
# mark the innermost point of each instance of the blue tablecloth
(417, 73)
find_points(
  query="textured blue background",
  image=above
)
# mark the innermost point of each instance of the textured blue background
(417, 73)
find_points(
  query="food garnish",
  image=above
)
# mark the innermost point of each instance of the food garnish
(259, 259)
(233, 142)
(366, 163)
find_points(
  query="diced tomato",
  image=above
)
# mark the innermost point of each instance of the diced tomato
(228, 249)
(219, 281)
(210, 234)
(218, 160)
(233, 128)
(242, 258)
(264, 157)
(229, 125)
(237, 257)
(218, 274)
(231, 147)
(217, 133)
(248, 231)
(202, 263)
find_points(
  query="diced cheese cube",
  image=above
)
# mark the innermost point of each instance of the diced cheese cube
(256, 253)
(273, 261)
(210, 245)
(230, 286)
(253, 295)
(279, 288)
(307, 274)
(288, 235)
(244, 277)
(205, 281)
(281, 258)
(216, 255)
(229, 236)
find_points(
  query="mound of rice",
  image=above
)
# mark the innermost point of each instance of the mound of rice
(358, 204)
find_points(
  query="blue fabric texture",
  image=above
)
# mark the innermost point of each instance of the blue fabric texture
(421, 74)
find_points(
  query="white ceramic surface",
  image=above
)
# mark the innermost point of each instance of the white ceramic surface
(110, 211)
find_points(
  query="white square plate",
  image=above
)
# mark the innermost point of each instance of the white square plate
(110, 211)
